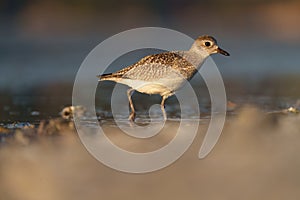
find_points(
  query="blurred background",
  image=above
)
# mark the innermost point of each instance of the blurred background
(43, 43)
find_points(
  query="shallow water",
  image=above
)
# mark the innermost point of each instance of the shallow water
(256, 157)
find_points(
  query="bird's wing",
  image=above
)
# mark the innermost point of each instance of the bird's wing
(153, 67)
(120, 73)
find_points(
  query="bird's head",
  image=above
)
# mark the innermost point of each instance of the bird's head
(209, 45)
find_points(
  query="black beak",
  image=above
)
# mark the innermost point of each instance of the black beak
(221, 51)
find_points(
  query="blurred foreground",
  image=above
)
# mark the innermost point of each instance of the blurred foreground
(256, 157)
(42, 45)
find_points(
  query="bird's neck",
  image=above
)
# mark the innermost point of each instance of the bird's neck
(196, 56)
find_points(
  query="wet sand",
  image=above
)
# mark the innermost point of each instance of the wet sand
(256, 157)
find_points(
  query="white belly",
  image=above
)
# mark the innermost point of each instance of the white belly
(162, 86)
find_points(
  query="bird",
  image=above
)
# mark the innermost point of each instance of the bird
(164, 73)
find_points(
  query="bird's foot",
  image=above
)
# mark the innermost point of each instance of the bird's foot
(165, 116)
(164, 113)
(131, 117)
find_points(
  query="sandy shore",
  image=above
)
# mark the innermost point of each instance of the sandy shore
(257, 157)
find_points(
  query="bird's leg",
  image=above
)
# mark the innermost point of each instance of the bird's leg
(162, 106)
(132, 114)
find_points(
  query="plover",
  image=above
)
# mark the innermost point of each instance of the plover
(164, 73)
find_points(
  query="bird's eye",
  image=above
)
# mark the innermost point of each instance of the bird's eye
(208, 44)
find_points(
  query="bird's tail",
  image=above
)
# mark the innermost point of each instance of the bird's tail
(109, 77)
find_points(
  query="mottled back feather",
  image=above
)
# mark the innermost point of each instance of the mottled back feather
(154, 67)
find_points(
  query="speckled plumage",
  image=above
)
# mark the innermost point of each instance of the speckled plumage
(154, 67)
(166, 72)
